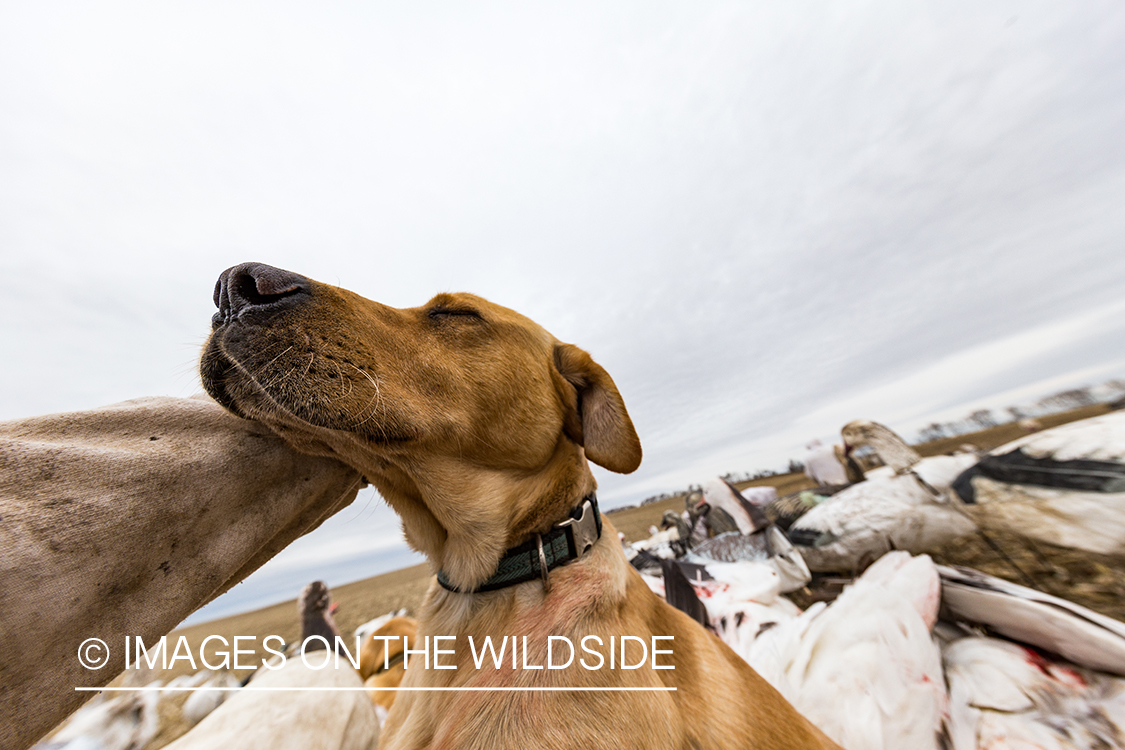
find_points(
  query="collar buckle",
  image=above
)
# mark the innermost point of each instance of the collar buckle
(583, 530)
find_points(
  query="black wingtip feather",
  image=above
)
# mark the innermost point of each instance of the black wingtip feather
(679, 593)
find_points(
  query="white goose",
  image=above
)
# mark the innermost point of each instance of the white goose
(213, 692)
(899, 458)
(719, 493)
(742, 600)
(125, 722)
(822, 464)
(769, 546)
(1030, 616)
(1064, 486)
(1003, 695)
(865, 668)
(906, 506)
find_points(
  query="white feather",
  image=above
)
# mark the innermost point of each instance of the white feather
(1097, 439)
(369, 627)
(1092, 521)
(822, 466)
(875, 516)
(1005, 695)
(1062, 627)
(865, 669)
(719, 495)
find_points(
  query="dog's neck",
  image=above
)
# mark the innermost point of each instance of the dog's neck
(462, 516)
(535, 558)
(464, 519)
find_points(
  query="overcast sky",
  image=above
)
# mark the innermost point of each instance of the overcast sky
(764, 219)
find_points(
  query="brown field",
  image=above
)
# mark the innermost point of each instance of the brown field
(1098, 584)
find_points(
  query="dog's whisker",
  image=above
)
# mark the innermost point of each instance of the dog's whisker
(376, 399)
(261, 389)
(367, 408)
(344, 382)
(285, 373)
(279, 356)
(281, 378)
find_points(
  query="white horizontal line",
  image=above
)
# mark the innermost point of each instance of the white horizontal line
(397, 689)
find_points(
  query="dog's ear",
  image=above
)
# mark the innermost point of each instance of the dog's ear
(595, 415)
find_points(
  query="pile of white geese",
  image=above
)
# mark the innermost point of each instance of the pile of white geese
(914, 655)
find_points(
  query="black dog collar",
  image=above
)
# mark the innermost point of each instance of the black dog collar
(541, 554)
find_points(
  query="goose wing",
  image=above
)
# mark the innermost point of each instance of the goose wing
(1062, 627)
(1083, 456)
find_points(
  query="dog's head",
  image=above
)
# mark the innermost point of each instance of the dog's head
(470, 419)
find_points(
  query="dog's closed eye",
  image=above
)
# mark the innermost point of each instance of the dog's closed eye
(447, 313)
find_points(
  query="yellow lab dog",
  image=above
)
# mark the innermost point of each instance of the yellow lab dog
(476, 425)
(381, 659)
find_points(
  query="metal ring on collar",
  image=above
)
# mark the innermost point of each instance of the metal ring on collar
(543, 564)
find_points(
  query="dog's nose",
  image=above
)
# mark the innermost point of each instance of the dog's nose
(256, 287)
